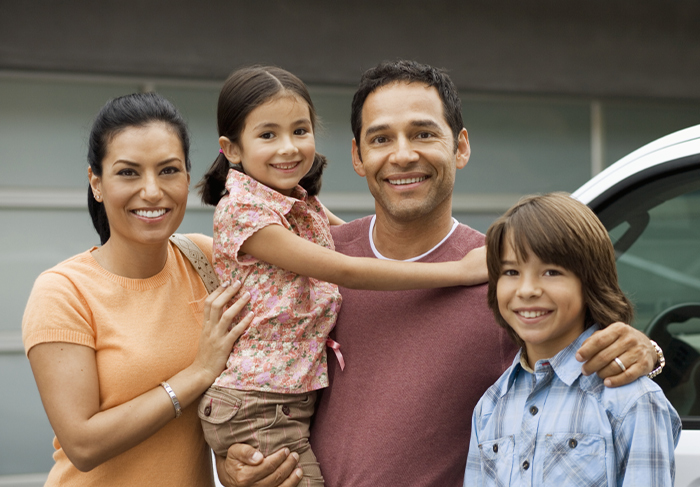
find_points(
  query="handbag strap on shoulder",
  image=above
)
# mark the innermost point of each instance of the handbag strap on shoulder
(198, 260)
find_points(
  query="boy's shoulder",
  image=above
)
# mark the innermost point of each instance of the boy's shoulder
(618, 401)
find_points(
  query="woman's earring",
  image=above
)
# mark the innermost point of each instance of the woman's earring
(98, 196)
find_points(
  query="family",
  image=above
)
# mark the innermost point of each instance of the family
(432, 377)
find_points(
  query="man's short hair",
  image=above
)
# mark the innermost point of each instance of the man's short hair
(405, 71)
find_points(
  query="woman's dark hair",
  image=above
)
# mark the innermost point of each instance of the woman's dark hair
(244, 91)
(562, 231)
(118, 114)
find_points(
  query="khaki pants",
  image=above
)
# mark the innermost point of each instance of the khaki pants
(267, 421)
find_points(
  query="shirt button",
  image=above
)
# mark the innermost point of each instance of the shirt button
(533, 410)
(526, 465)
(207, 410)
(495, 448)
(285, 410)
(573, 443)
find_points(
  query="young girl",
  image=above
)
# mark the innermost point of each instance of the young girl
(552, 283)
(272, 234)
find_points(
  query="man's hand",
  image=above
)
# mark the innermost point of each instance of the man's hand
(244, 466)
(620, 341)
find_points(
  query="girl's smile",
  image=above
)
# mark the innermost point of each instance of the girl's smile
(276, 146)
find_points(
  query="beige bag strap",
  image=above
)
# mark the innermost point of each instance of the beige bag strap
(198, 260)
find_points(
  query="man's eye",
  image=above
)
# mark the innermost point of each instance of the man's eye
(424, 135)
(379, 140)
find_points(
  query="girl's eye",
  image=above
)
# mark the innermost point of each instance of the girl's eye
(510, 272)
(267, 135)
(301, 132)
(552, 272)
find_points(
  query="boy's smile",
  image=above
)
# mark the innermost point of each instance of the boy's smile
(543, 303)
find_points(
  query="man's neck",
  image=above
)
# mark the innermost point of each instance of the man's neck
(403, 240)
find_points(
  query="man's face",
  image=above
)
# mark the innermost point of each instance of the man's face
(407, 151)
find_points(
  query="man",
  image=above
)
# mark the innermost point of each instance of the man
(417, 361)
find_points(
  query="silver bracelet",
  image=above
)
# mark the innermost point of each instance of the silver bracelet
(173, 398)
(660, 362)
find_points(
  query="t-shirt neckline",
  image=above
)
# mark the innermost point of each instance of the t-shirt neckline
(412, 259)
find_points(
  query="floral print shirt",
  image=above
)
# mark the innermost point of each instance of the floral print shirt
(284, 349)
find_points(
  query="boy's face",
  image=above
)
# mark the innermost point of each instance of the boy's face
(542, 302)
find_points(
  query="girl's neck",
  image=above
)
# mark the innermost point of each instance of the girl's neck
(133, 261)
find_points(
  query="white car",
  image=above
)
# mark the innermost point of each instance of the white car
(650, 203)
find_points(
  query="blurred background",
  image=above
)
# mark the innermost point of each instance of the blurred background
(552, 93)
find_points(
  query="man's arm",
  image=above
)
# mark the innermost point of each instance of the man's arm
(631, 346)
(244, 466)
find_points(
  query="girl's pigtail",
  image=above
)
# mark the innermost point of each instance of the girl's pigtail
(212, 187)
(312, 181)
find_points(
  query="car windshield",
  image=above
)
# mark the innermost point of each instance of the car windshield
(655, 228)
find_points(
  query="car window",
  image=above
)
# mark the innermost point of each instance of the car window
(655, 228)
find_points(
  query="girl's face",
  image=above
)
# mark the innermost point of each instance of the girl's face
(542, 302)
(144, 184)
(277, 145)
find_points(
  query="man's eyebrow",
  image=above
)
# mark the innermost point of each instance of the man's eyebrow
(373, 129)
(425, 123)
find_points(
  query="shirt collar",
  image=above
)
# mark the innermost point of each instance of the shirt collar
(239, 183)
(564, 364)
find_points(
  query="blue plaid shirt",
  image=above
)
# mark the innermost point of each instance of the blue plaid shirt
(559, 428)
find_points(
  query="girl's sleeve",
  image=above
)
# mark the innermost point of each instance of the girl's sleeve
(645, 440)
(56, 312)
(472, 474)
(235, 222)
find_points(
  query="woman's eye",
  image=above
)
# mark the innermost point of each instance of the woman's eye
(170, 170)
(126, 172)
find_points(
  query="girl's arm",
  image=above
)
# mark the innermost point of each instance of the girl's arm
(66, 375)
(278, 246)
(332, 219)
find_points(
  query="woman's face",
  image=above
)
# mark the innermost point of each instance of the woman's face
(144, 184)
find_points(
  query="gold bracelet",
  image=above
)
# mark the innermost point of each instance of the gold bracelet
(661, 361)
(173, 398)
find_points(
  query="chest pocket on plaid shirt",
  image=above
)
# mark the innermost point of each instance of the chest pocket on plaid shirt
(497, 461)
(575, 459)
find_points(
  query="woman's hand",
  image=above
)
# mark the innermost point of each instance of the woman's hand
(473, 267)
(66, 375)
(219, 332)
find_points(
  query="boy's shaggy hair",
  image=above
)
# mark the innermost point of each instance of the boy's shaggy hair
(562, 231)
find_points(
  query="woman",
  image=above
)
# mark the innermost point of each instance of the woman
(123, 338)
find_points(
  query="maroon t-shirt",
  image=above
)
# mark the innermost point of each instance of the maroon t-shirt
(417, 362)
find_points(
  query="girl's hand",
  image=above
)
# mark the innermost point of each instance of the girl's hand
(473, 267)
(219, 332)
